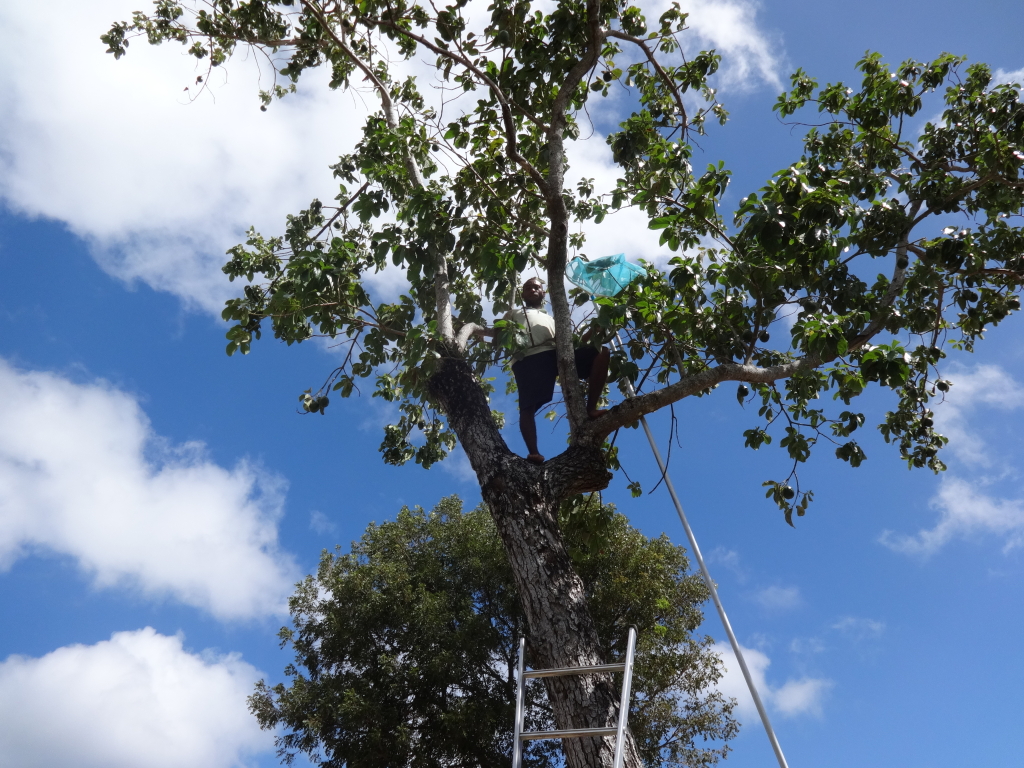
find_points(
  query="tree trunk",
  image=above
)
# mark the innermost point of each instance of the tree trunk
(523, 500)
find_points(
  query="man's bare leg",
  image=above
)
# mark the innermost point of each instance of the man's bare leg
(595, 384)
(528, 427)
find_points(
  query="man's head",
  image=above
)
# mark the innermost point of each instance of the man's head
(533, 293)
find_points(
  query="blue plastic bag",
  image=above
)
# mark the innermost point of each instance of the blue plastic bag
(607, 276)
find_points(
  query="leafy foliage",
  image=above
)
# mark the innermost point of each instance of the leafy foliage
(856, 265)
(405, 648)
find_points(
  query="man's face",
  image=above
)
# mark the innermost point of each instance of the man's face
(533, 293)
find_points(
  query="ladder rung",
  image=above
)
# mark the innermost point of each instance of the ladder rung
(574, 670)
(569, 733)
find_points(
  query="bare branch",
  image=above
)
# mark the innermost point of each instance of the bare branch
(464, 334)
(643, 46)
(630, 410)
(341, 210)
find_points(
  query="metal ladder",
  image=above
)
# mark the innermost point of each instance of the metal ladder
(626, 667)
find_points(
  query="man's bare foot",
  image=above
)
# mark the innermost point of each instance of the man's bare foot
(535, 458)
(595, 413)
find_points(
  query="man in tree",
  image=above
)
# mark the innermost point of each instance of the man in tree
(535, 366)
(866, 256)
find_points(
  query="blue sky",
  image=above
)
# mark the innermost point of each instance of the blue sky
(158, 499)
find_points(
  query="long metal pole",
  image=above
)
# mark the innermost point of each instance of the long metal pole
(710, 584)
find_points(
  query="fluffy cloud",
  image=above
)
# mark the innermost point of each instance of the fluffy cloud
(82, 474)
(727, 558)
(964, 511)
(776, 598)
(1016, 76)
(160, 186)
(857, 628)
(749, 59)
(138, 700)
(966, 507)
(985, 386)
(750, 55)
(794, 697)
(799, 697)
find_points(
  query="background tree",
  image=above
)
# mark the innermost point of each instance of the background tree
(406, 647)
(464, 203)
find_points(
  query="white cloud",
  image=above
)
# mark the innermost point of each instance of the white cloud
(964, 511)
(83, 475)
(803, 696)
(321, 523)
(984, 386)
(965, 508)
(1003, 76)
(777, 598)
(749, 54)
(749, 59)
(457, 465)
(854, 629)
(138, 700)
(806, 645)
(859, 628)
(729, 559)
(798, 697)
(160, 187)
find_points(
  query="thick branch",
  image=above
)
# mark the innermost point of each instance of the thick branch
(575, 407)
(631, 410)
(464, 334)
(899, 277)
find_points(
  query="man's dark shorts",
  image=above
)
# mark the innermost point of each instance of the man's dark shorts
(536, 374)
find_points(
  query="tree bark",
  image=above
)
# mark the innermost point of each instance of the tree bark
(523, 500)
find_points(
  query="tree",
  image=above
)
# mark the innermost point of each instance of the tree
(407, 645)
(464, 203)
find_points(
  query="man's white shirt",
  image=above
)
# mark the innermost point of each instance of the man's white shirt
(539, 331)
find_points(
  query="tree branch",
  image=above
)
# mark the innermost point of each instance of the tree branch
(442, 290)
(511, 140)
(632, 409)
(464, 334)
(899, 277)
(642, 44)
(575, 407)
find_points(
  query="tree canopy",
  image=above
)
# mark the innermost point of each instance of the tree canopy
(892, 237)
(405, 647)
(852, 266)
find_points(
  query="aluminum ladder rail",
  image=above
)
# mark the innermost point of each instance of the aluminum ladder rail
(619, 731)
